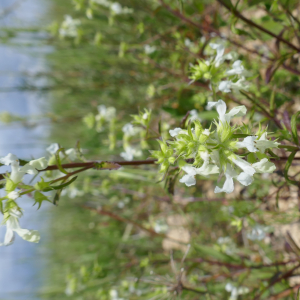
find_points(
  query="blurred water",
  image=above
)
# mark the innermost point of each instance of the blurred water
(22, 264)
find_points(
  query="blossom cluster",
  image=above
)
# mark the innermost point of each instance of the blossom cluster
(8, 205)
(220, 77)
(69, 27)
(217, 150)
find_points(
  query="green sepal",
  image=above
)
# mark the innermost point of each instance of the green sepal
(39, 198)
(41, 185)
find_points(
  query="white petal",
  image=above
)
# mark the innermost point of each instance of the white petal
(225, 86)
(32, 236)
(237, 111)
(8, 159)
(28, 169)
(245, 179)
(53, 148)
(208, 169)
(244, 165)
(228, 186)
(13, 195)
(264, 166)
(229, 287)
(71, 153)
(206, 132)
(263, 143)
(9, 237)
(248, 143)
(189, 170)
(188, 179)
(175, 131)
(221, 108)
(39, 164)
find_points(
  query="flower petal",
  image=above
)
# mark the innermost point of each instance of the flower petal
(53, 148)
(244, 165)
(40, 163)
(225, 86)
(8, 159)
(32, 236)
(245, 179)
(188, 179)
(221, 108)
(264, 166)
(263, 143)
(248, 143)
(228, 186)
(237, 111)
(174, 132)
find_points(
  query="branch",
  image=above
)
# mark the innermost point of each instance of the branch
(253, 24)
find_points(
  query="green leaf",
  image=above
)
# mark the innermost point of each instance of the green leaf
(105, 165)
(61, 186)
(287, 166)
(58, 161)
(207, 251)
(294, 127)
(39, 198)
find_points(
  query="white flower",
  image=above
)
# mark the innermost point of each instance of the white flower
(130, 130)
(194, 115)
(174, 132)
(53, 148)
(130, 153)
(206, 132)
(149, 49)
(18, 172)
(238, 69)
(116, 8)
(258, 232)
(264, 166)
(228, 186)
(220, 51)
(263, 143)
(205, 170)
(71, 153)
(248, 143)
(235, 292)
(227, 85)
(244, 165)
(13, 195)
(106, 113)
(12, 226)
(221, 107)
(69, 27)
(187, 42)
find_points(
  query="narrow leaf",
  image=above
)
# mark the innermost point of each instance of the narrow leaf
(287, 166)
(58, 161)
(294, 127)
(61, 186)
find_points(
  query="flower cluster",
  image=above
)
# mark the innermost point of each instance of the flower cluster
(199, 151)
(8, 206)
(115, 7)
(69, 27)
(221, 78)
